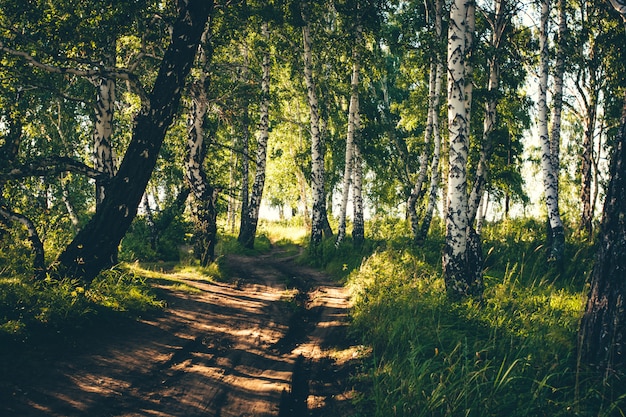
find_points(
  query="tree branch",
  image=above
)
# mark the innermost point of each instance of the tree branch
(104, 71)
(49, 166)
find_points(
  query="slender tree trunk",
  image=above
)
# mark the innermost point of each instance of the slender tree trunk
(557, 106)
(602, 335)
(71, 213)
(550, 177)
(586, 171)
(434, 166)
(245, 148)
(317, 146)
(349, 161)
(358, 225)
(416, 191)
(232, 183)
(93, 247)
(154, 234)
(248, 229)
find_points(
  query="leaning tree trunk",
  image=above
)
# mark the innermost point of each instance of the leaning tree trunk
(602, 334)
(349, 161)
(590, 103)
(550, 175)
(317, 151)
(250, 220)
(92, 248)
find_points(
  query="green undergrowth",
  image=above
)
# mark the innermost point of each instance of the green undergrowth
(511, 353)
(31, 310)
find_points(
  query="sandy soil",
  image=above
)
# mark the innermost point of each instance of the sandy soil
(271, 342)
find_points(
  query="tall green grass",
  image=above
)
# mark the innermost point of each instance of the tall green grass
(512, 353)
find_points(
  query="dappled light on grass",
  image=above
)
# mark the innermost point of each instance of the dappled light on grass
(512, 353)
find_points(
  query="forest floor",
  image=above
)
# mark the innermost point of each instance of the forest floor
(272, 341)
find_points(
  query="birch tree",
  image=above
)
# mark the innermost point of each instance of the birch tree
(550, 176)
(91, 249)
(602, 334)
(250, 218)
(420, 236)
(353, 117)
(460, 282)
(318, 208)
(203, 206)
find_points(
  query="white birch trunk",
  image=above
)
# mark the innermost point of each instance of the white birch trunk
(249, 227)
(550, 177)
(416, 191)
(498, 25)
(358, 225)
(103, 127)
(352, 127)
(434, 166)
(454, 259)
(317, 152)
(557, 106)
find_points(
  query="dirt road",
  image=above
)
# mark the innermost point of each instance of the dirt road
(269, 343)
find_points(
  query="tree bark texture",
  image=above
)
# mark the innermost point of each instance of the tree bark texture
(353, 111)
(203, 206)
(358, 224)
(550, 176)
(93, 247)
(250, 220)
(602, 335)
(498, 25)
(434, 166)
(317, 146)
(416, 191)
(245, 144)
(103, 126)
(455, 249)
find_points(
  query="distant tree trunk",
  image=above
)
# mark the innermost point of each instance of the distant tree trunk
(358, 225)
(71, 213)
(557, 106)
(434, 166)
(602, 334)
(154, 234)
(103, 126)
(93, 247)
(203, 207)
(232, 183)
(250, 219)
(349, 160)
(589, 91)
(459, 281)
(416, 191)
(245, 146)
(550, 176)
(317, 145)
(498, 25)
